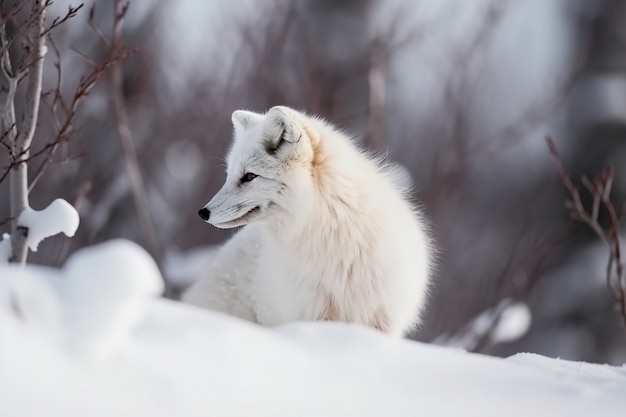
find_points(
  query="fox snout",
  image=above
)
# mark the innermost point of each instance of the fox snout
(204, 213)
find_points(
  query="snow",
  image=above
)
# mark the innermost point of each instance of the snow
(90, 305)
(5, 248)
(104, 293)
(58, 217)
(184, 361)
(513, 323)
(172, 359)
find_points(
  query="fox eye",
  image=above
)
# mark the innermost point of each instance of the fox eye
(248, 176)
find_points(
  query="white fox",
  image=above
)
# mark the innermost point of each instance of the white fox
(329, 233)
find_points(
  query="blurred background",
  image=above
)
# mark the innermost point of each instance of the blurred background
(461, 93)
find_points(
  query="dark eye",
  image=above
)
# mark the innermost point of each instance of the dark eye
(248, 176)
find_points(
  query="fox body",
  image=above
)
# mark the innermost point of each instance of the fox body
(329, 233)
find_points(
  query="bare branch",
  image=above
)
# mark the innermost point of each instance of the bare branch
(85, 57)
(18, 134)
(33, 88)
(58, 21)
(600, 190)
(26, 128)
(96, 28)
(123, 129)
(84, 87)
(5, 221)
(6, 17)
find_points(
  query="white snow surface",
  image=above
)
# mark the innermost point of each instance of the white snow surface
(178, 360)
(89, 306)
(58, 217)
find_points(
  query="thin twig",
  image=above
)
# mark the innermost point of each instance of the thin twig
(126, 137)
(600, 190)
(7, 220)
(84, 87)
(58, 21)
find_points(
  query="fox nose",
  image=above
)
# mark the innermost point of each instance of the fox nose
(204, 213)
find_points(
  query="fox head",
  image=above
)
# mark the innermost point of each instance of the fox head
(271, 158)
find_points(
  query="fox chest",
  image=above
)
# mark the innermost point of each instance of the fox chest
(296, 289)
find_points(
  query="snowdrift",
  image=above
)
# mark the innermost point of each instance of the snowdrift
(57, 358)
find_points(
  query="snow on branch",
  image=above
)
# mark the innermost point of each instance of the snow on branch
(58, 217)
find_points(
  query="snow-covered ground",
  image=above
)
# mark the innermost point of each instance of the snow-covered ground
(170, 359)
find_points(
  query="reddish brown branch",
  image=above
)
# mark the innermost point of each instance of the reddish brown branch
(600, 189)
(59, 20)
(115, 55)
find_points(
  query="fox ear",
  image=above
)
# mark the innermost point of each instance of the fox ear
(292, 125)
(243, 119)
(283, 123)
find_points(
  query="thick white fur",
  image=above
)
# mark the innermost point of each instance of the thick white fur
(333, 237)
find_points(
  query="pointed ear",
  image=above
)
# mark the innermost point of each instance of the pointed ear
(290, 125)
(283, 122)
(243, 119)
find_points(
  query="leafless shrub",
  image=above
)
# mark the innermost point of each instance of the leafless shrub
(599, 188)
(26, 64)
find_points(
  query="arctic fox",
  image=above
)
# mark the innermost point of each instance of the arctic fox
(328, 235)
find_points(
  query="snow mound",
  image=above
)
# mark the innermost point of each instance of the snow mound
(58, 217)
(31, 298)
(90, 305)
(111, 283)
(192, 362)
(172, 359)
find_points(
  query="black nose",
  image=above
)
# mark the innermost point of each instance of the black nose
(204, 213)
